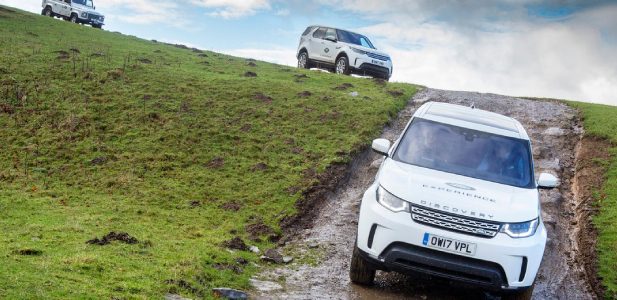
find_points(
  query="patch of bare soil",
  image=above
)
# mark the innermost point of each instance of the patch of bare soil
(589, 178)
(329, 211)
(262, 97)
(122, 237)
(250, 74)
(343, 87)
(305, 94)
(236, 243)
(216, 163)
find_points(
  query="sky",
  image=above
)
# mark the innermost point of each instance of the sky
(556, 48)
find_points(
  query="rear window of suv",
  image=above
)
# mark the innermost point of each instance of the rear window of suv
(307, 30)
(467, 152)
(320, 33)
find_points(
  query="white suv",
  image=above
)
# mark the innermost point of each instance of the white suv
(455, 197)
(343, 51)
(76, 11)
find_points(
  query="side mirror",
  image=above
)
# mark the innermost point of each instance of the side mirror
(547, 181)
(381, 146)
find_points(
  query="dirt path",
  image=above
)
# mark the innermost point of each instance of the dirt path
(555, 132)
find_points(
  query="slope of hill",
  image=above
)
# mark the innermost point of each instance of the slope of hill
(600, 123)
(179, 148)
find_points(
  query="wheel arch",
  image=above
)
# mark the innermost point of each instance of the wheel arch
(342, 53)
(303, 49)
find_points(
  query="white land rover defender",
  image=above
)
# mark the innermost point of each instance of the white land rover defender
(456, 198)
(76, 11)
(343, 51)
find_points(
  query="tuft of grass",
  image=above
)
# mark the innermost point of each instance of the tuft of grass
(103, 132)
(601, 121)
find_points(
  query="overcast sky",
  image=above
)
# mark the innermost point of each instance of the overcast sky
(558, 49)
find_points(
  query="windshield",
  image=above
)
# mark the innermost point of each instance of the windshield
(84, 2)
(467, 152)
(354, 38)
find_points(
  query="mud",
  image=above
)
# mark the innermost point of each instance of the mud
(122, 237)
(555, 131)
(236, 243)
(589, 178)
(250, 74)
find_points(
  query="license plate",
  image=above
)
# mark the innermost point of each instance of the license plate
(376, 62)
(448, 244)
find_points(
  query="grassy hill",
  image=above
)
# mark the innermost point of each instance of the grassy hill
(180, 148)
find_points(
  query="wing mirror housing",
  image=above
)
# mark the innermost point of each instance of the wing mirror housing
(547, 181)
(381, 146)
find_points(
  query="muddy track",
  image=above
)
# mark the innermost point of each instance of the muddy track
(555, 131)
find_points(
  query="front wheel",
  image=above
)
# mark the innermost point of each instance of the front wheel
(303, 61)
(359, 270)
(73, 18)
(97, 26)
(342, 66)
(47, 12)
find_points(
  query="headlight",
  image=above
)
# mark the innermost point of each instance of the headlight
(390, 201)
(358, 51)
(521, 230)
(84, 15)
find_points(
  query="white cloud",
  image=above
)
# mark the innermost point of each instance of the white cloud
(231, 9)
(31, 6)
(569, 59)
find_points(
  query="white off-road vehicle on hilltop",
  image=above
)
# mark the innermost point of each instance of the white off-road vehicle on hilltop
(76, 11)
(456, 198)
(343, 51)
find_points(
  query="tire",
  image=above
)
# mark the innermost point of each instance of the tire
(303, 60)
(73, 19)
(359, 270)
(47, 12)
(521, 295)
(97, 26)
(342, 66)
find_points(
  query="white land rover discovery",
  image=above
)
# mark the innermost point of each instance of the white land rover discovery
(343, 51)
(456, 198)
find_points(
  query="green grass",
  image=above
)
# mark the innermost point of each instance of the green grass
(601, 121)
(102, 142)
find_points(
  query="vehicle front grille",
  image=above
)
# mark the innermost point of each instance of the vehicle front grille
(95, 17)
(377, 56)
(454, 222)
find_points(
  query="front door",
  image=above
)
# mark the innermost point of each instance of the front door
(329, 46)
(65, 7)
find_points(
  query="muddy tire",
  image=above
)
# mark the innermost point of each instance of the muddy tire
(360, 271)
(97, 26)
(73, 18)
(303, 60)
(47, 12)
(342, 66)
(522, 295)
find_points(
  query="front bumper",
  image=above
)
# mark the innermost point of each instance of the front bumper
(364, 65)
(393, 241)
(92, 19)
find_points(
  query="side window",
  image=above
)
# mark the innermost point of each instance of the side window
(320, 33)
(330, 34)
(308, 29)
(365, 43)
(67, 1)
